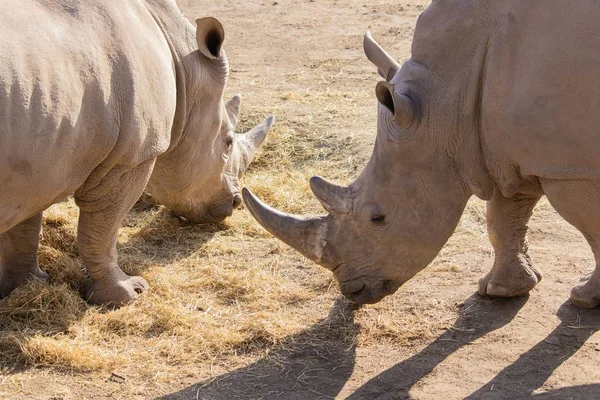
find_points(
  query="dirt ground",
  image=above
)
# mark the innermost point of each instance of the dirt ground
(435, 338)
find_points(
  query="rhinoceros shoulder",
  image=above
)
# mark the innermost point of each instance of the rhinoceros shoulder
(83, 85)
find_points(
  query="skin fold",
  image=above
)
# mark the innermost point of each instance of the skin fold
(491, 103)
(103, 100)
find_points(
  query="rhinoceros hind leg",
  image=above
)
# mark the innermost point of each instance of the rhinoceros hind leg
(513, 273)
(577, 202)
(103, 207)
(587, 295)
(18, 255)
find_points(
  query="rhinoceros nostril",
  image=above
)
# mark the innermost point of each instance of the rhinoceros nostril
(356, 292)
(388, 286)
(237, 200)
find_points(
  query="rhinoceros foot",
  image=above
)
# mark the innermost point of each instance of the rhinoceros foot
(115, 291)
(9, 280)
(587, 295)
(510, 279)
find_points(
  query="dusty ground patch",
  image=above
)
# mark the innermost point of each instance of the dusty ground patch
(233, 313)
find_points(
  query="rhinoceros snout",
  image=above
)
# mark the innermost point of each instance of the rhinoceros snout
(225, 209)
(362, 292)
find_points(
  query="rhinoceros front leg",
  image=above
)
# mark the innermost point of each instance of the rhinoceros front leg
(103, 207)
(513, 273)
(18, 255)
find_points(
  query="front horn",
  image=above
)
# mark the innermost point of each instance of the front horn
(386, 65)
(305, 234)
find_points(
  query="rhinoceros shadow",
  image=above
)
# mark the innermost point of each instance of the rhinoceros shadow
(529, 372)
(477, 317)
(519, 380)
(314, 364)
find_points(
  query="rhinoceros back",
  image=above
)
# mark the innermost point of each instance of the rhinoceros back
(71, 98)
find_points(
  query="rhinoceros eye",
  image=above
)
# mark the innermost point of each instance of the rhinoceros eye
(378, 219)
(229, 142)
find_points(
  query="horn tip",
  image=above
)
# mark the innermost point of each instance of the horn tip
(247, 193)
(315, 180)
(368, 35)
(270, 120)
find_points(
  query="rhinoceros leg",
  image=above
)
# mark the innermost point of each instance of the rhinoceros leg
(577, 202)
(513, 273)
(103, 206)
(18, 255)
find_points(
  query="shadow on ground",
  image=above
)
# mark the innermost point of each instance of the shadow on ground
(528, 373)
(519, 380)
(317, 363)
(477, 317)
(314, 364)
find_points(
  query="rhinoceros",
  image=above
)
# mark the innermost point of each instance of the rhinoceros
(499, 99)
(99, 99)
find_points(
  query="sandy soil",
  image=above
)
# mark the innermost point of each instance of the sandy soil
(303, 61)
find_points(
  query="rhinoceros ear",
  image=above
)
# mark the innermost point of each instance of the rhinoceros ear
(210, 35)
(400, 105)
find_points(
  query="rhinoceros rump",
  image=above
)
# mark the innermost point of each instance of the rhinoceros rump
(99, 100)
(499, 99)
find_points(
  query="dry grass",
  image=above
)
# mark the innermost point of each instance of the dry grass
(221, 295)
(216, 291)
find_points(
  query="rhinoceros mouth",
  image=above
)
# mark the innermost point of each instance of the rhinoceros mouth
(222, 210)
(359, 292)
(207, 217)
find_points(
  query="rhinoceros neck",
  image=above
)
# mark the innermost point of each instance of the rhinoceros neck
(178, 31)
(180, 36)
(451, 44)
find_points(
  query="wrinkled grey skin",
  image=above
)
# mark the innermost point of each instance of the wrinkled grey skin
(99, 100)
(491, 103)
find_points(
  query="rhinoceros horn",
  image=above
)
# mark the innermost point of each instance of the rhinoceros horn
(252, 139)
(386, 65)
(233, 108)
(307, 235)
(336, 199)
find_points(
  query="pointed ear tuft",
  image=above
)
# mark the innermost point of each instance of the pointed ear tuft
(210, 36)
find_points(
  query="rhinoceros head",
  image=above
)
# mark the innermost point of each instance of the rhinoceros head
(199, 177)
(392, 221)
